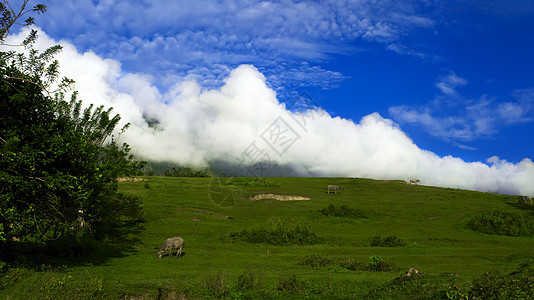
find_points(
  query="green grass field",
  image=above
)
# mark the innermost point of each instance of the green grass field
(206, 211)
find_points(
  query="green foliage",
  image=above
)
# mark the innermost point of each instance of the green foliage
(57, 285)
(498, 285)
(343, 211)
(59, 164)
(388, 241)
(251, 182)
(502, 222)
(316, 261)
(10, 17)
(184, 172)
(217, 284)
(376, 263)
(55, 173)
(250, 280)
(292, 285)
(353, 265)
(280, 234)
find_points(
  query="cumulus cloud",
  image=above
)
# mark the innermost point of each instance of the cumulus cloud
(243, 122)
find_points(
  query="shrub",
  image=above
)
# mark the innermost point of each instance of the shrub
(388, 241)
(217, 284)
(502, 223)
(352, 265)
(498, 285)
(249, 280)
(280, 234)
(343, 211)
(292, 284)
(316, 261)
(376, 263)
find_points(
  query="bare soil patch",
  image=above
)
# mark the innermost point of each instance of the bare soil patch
(278, 197)
(121, 179)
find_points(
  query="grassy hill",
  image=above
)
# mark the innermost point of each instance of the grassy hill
(397, 226)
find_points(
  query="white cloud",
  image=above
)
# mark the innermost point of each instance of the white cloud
(199, 125)
(447, 127)
(520, 110)
(448, 84)
(180, 37)
(403, 50)
(453, 118)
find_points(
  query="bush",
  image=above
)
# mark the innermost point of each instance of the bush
(501, 222)
(292, 285)
(388, 241)
(343, 211)
(217, 284)
(249, 280)
(352, 265)
(498, 285)
(280, 234)
(316, 261)
(376, 263)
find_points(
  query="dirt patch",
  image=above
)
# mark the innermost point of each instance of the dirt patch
(278, 197)
(122, 179)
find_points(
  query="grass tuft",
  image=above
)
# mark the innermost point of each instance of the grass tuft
(280, 234)
(388, 241)
(343, 211)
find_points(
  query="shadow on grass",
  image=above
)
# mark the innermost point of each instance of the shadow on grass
(173, 256)
(69, 252)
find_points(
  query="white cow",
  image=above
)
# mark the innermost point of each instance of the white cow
(524, 199)
(172, 243)
(333, 188)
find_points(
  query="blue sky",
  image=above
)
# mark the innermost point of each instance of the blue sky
(455, 76)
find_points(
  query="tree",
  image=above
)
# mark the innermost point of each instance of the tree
(59, 163)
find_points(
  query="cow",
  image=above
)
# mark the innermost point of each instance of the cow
(524, 199)
(172, 243)
(414, 181)
(333, 188)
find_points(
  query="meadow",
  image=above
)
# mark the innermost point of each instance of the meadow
(358, 243)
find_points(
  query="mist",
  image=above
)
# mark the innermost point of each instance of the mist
(242, 124)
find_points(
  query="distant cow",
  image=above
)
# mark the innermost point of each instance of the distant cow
(333, 188)
(172, 243)
(524, 199)
(414, 181)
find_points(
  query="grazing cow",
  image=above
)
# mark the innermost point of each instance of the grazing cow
(524, 199)
(172, 243)
(414, 181)
(333, 188)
